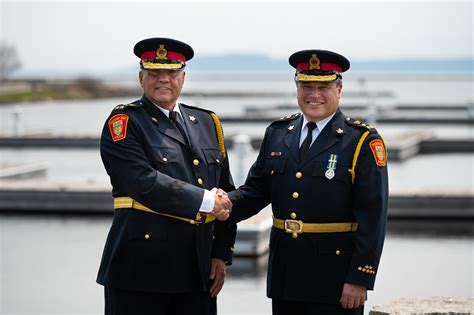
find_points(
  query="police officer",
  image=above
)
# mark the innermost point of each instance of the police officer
(325, 175)
(165, 252)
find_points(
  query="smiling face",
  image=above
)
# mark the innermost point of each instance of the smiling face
(318, 100)
(162, 87)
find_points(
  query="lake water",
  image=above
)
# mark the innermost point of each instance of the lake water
(48, 265)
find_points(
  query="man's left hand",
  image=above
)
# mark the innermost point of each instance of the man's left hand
(353, 295)
(218, 274)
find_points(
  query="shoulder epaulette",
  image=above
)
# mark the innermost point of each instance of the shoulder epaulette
(287, 118)
(135, 104)
(360, 124)
(198, 108)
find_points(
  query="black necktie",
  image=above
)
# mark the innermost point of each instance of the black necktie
(176, 121)
(307, 141)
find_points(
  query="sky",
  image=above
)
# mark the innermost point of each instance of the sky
(100, 35)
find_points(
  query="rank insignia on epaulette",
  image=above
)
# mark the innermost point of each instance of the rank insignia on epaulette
(378, 149)
(339, 132)
(118, 127)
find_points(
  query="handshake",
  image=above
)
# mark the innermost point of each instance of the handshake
(222, 204)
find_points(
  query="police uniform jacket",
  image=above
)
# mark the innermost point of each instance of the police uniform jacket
(153, 165)
(314, 266)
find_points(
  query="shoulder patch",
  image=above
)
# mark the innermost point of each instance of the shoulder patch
(287, 118)
(378, 149)
(118, 127)
(360, 124)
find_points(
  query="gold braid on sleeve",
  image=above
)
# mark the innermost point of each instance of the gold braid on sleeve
(220, 134)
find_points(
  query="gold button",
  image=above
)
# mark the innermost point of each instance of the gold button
(165, 159)
(338, 252)
(293, 215)
(196, 162)
(200, 181)
(294, 235)
(295, 195)
(298, 175)
(147, 236)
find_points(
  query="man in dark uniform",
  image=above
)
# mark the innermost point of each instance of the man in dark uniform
(165, 252)
(326, 177)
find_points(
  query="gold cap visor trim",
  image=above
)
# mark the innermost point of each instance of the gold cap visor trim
(165, 66)
(301, 77)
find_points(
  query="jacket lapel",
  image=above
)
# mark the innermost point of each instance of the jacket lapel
(163, 124)
(292, 139)
(192, 126)
(327, 138)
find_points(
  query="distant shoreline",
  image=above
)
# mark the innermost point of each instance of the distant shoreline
(37, 90)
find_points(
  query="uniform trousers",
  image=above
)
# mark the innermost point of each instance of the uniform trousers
(283, 307)
(126, 302)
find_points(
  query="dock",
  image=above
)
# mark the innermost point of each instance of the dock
(401, 146)
(35, 197)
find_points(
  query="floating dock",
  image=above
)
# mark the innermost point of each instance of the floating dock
(35, 197)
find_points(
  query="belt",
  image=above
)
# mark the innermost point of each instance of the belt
(296, 227)
(127, 202)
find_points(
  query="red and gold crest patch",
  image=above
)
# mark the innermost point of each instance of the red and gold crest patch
(378, 149)
(118, 127)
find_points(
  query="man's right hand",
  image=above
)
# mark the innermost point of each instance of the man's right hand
(222, 205)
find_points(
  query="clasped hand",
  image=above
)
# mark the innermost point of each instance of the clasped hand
(222, 204)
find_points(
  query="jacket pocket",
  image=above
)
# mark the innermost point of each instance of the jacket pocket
(340, 173)
(165, 158)
(275, 165)
(214, 165)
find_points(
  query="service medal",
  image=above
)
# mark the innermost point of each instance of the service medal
(330, 173)
(332, 162)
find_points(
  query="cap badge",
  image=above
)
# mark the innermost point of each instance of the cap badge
(161, 52)
(314, 62)
(332, 162)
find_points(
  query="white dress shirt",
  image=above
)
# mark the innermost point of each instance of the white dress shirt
(316, 131)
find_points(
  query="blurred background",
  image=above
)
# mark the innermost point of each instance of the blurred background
(64, 65)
